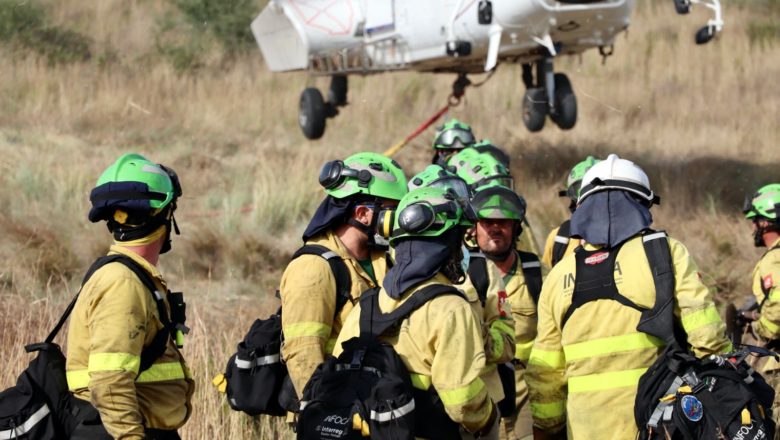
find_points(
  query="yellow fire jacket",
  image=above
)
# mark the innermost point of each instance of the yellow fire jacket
(588, 370)
(441, 345)
(497, 327)
(114, 318)
(525, 317)
(547, 256)
(308, 293)
(766, 278)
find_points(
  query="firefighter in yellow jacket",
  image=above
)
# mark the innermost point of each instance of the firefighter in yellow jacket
(116, 324)
(501, 211)
(763, 209)
(345, 222)
(440, 343)
(490, 302)
(559, 242)
(588, 355)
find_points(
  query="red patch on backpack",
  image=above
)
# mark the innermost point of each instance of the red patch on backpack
(768, 283)
(597, 258)
(501, 302)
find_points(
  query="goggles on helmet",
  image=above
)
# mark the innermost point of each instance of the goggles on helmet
(334, 173)
(454, 136)
(453, 184)
(174, 180)
(502, 180)
(420, 217)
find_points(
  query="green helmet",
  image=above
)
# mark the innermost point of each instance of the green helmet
(364, 173)
(481, 169)
(134, 184)
(764, 203)
(485, 146)
(454, 135)
(430, 212)
(574, 179)
(434, 176)
(498, 202)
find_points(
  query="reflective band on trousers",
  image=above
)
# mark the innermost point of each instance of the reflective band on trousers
(769, 325)
(548, 410)
(612, 344)
(459, 396)
(498, 344)
(700, 318)
(26, 426)
(310, 328)
(156, 373)
(523, 350)
(605, 381)
(544, 358)
(246, 364)
(420, 381)
(392, 414)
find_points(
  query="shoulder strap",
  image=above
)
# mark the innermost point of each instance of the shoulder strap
(595, 280)
(337, 266)
(478, 274)
(659, 321)
(561, 242)
(158, 345)
(532, 272)
(374, 323)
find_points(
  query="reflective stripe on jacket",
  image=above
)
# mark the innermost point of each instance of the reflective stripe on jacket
(114, 318)
(766, 278)
(308, 294)
(589, 370)
(441, 345)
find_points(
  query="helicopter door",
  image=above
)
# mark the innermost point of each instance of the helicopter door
(380, 17)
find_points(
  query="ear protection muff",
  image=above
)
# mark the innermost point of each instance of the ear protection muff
(384, 223)
(334, 173)
(416, 218)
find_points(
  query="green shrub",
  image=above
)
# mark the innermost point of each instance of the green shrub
(227, 20)
(763, 32)
(18, 18)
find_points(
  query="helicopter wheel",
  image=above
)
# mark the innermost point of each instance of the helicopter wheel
(565, 103)
(312, 113)
(534, 108)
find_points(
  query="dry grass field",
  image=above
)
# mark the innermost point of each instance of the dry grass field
(701, 120)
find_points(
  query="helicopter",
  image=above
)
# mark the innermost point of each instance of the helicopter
(338, 38)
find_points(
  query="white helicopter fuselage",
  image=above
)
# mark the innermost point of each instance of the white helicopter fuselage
(368, 36)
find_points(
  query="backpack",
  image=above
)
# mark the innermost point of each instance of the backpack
(683, 397)
(257, 381)
(478, 274)
(367, 390)
(561, 242)
(40, 405)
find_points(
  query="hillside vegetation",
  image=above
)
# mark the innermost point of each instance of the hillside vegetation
(83, 82)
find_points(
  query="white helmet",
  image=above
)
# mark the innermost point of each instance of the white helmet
(617, 173)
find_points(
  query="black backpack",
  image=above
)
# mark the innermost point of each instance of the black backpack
(561, 242)
(367, 390)
(257, 380)
(40, 406)
(478, 274)
(683, 397)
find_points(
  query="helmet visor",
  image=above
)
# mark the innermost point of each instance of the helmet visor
(450, 138)
(502, 180)
(747, 206)
(454, 185)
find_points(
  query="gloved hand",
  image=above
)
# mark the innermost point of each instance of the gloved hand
(488, 432)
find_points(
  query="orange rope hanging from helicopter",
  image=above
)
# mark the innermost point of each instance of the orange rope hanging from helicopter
(458, 90)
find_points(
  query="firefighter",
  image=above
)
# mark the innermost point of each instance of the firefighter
(559, 242)
(440, 343)
(454, 136)
(588, 355)
(501, 212)
(763, 209)
(116, 322)
(345, 223)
